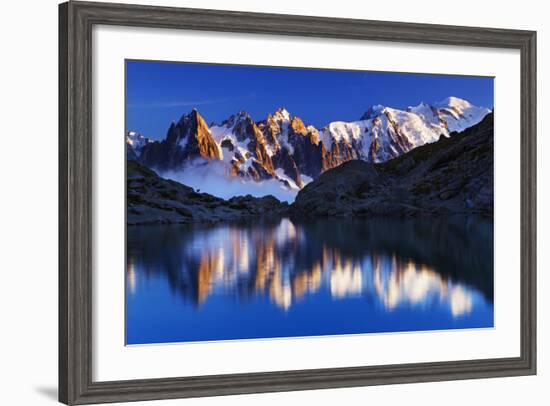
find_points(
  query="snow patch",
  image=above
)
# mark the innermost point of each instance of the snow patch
(281, 175)
(137, 141)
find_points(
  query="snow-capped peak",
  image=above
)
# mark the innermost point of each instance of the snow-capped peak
(421, 105)
(312, 129)
(446, 116)
(459, 114)
(373, 111)
(281, 114)
(136, 141)
(453, 101)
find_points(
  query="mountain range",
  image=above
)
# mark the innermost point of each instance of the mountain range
(283, 148)
(450, 176)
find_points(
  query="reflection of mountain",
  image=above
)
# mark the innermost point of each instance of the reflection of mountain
(396, 263)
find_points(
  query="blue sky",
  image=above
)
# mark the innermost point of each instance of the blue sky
(158, 93)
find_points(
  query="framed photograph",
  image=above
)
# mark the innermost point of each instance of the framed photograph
(261, 202)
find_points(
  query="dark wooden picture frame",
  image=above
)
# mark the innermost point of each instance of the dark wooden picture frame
(76, 20)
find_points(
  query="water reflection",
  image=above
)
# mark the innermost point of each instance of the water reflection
(424, 268)
(397, 283)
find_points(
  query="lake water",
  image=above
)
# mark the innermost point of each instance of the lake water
(285, 278)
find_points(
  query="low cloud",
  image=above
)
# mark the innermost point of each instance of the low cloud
(214, 179)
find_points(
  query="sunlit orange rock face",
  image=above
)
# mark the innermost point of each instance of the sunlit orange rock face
(341, 152)
(271, 130)
(258, 146)
(205, 144)
(298, 126)
(188, 139)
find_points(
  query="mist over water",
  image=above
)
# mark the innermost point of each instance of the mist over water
(287, 278)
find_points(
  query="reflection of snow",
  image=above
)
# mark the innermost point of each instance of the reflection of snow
(346, 281)
(281, 295)
(413, 284)
(242, 255)
(131, 277)
(399, 283)
(285, 232)
(461, 301)
(267, 261)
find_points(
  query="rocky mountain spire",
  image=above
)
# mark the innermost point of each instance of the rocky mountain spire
(188, 139)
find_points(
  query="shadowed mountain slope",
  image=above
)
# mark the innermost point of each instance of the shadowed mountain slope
(452, 175)
(154, 200)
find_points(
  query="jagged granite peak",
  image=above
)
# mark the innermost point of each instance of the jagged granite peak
(193, 135)
(295, 147)
(244, 147)
(232, 119)
(271, 129)
(188, 139)
(263, 149)
(298, 126)
(276, 124)
(282, 114)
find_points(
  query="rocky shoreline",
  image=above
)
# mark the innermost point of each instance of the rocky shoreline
(155, 200)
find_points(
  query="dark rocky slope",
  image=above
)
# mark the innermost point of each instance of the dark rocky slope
(452, 175)
(154, 200)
